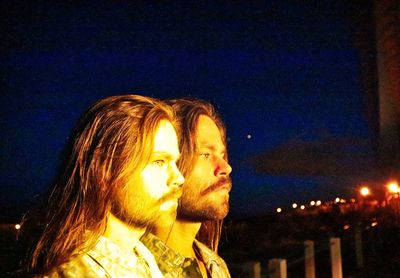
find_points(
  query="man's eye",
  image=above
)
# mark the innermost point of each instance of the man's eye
(159, 162)
(205, 155)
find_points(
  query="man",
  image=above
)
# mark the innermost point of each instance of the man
(205, 199)
(120, 178)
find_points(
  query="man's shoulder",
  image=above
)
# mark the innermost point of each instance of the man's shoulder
(135, 261)
(214, 263)
(79, 266)
(106, 259)
(206, 252)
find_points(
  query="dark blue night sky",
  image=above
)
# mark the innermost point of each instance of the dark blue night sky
(276, 70)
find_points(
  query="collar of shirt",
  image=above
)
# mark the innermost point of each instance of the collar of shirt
(171, 262)
(109, 255)
(211, 260)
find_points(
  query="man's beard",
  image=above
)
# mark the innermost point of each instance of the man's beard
(142, 213)
(198, 205)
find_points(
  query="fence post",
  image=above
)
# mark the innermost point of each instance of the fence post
(277, 268)
(253, 269)
(309, 259)
(358, 245)
(336, 257)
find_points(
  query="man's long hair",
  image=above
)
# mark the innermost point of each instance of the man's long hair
(111, 145)
(188, 111)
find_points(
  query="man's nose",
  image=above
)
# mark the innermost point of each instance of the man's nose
(176, 177)
(223, 168)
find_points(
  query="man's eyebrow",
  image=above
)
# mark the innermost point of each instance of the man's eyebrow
(166, 155)
(211, 147)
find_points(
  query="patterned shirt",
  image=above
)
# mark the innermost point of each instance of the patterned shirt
(173, 265)
(107, 259)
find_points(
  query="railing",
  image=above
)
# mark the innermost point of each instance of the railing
(277, 267)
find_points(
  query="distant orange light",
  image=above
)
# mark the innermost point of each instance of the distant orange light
(294, 205)
(302, 207)
(17, 226)
(318, 203)
(337, 200)
(278, 210)
(312, 203)
(364, 191)
(346, 227)
(393, 187)
(373, 224)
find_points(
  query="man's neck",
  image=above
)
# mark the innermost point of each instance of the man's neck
(181, 237)
(122, 234)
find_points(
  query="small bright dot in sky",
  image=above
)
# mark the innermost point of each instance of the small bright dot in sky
(278, 210)
(248, 136)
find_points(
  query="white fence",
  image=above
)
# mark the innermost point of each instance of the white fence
(277, 267)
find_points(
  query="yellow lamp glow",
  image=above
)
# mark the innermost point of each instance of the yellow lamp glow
(393, 187)
(364, 191)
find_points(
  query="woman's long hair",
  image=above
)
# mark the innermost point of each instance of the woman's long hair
(188, 112)
(111, 144)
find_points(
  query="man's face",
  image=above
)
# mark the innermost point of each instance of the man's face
(153, 196)
(206, 189)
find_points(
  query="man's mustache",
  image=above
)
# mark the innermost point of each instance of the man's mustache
(225, 181)
(175, 193)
